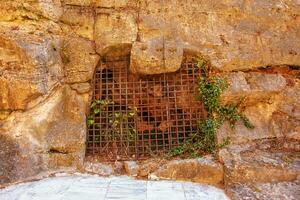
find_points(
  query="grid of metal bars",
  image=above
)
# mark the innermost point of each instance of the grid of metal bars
(142, 115)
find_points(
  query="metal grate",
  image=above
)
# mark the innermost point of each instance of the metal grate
(142, 115)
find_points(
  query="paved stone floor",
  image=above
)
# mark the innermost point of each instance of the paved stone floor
(88, 187)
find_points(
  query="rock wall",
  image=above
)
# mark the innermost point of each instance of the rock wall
(50, 48)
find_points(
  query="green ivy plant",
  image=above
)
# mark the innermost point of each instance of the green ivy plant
(210, 88)
(96, 107)
(119, 126)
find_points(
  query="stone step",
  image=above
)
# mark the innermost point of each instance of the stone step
(260, 164)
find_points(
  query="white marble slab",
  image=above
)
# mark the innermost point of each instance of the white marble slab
(88, 187)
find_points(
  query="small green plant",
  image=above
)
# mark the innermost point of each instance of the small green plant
(210, 88)
(120, 126)
(120, 123)
(187, 147)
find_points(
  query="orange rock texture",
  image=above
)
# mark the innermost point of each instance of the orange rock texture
(49, 50)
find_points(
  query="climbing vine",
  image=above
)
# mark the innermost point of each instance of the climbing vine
(120, 123)
(210, 88)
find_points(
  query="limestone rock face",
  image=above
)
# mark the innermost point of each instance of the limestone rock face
(202, 170)
(29, 67)
(233, 34)
(131, 168)
(45, 138)
(265, 191)
(269, 104)
(43, 124)
(155, 57)
(79, 2)
(111, 3)
(260, 169)
(79, 58)
(80, 19)
(98, 168)
(114, 33)
(16, 9)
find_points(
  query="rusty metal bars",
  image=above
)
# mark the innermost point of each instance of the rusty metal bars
(142, 115)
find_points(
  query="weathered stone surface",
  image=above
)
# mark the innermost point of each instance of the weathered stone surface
(111, 3)
(99, 168)
(288, 117)
(269, 104)
(226, 32)
(29, 67)
(260, 170)
(50, 136)
(202, 170)
(81, 20)
(51, 9)
(114, 33)
(131, 168)
(266, 191)
(10, 159)
(99, 3)
(79, 58)
(262, 162)
(155, 57)
(255, 82)
(261, 116)
(81, 88)
(266, 82)
(149, 166)
(233, 34)
(33, 9)
(79, 2)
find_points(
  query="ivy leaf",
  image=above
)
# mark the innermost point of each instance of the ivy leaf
(96, 110)
(201, 63)
(90, 122)
(131, 114)
(116, 123)
(117, 114)
(94, 104)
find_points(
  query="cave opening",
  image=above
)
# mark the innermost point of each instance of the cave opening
(136, 116)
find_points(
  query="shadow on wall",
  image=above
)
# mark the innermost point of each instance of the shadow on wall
(8, 155)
